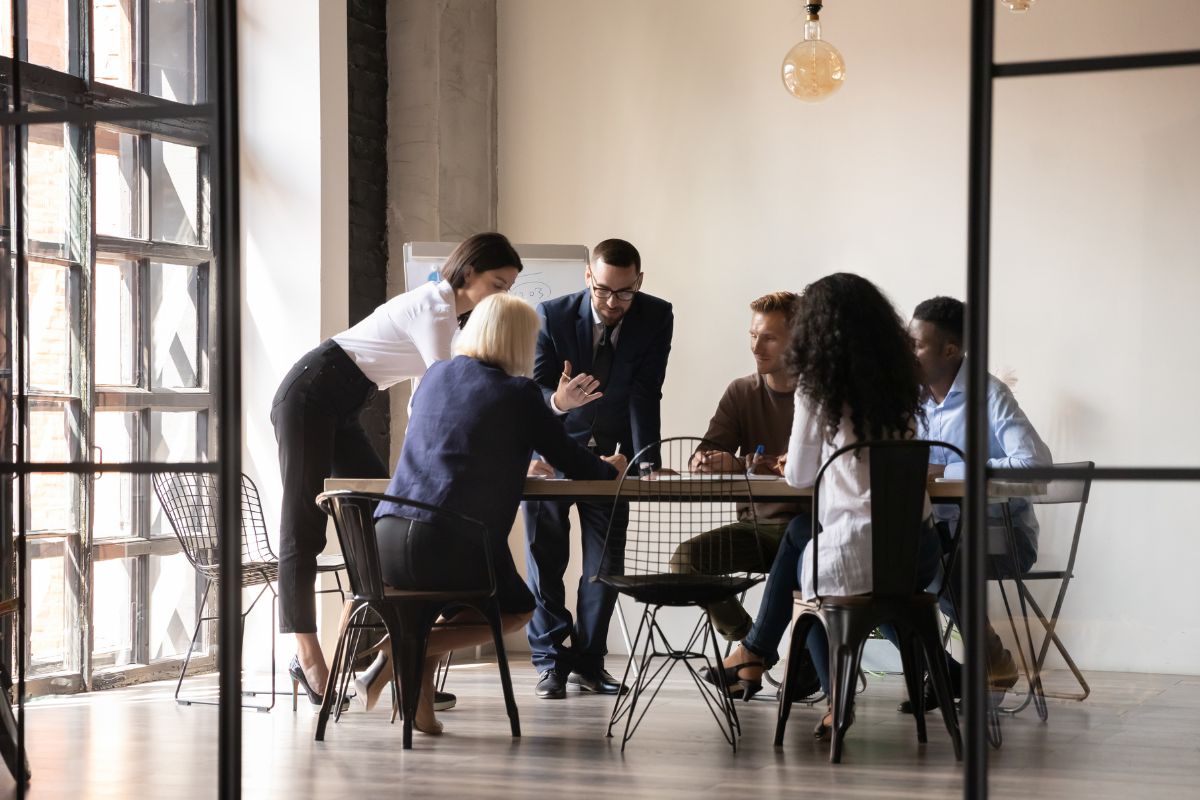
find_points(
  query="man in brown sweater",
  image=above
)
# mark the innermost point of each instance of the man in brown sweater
(754, 412)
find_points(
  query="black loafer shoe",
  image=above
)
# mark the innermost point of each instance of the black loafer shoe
(601, 682)
(551, 686)
(444, 701)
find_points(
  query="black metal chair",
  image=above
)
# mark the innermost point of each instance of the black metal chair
(898, 474)
(407, 614)
(643, 562)
(189, 500)
(1059, 491)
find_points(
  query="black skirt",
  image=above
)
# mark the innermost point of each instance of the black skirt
(420, 556)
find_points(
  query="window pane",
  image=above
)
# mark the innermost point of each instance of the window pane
(50, 337)
(178, 435)
(6, 29)
(47, 179)
(116, 339)
(176, 303)
(176, 38)
(115, 434)
(50, 625)
(117, 182)
(53, 497)
(48, 32)
(174, 197)
(172, 605)
(112, 611)
(113, 47)
(175, 436)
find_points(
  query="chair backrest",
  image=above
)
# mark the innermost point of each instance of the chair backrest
(353, 518)
(675, 521)
(190, 501)
(899, 470)
(1068, 490)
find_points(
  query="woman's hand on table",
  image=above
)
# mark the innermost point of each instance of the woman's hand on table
(936, 471)
(539, 469)
(573, 392)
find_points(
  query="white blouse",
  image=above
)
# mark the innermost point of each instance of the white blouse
(402, 337)
(844, 546)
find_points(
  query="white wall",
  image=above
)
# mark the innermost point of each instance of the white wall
(295, 206)
(665, 123)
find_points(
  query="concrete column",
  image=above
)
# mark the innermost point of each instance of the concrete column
(441, 133)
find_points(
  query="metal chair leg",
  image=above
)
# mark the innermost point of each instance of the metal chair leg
(625, 637)
(187, 659)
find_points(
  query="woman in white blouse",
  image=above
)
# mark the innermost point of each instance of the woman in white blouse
(316, 417)
(856, 379)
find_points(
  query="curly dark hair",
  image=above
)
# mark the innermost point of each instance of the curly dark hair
(851, 353)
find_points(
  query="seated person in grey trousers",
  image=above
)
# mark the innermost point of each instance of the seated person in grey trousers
(755, 412)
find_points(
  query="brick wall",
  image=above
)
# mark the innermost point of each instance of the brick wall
(366, 26)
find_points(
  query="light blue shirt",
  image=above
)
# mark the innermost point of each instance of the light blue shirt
(1012, 442)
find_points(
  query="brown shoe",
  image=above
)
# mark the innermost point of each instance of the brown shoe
(1002, 671)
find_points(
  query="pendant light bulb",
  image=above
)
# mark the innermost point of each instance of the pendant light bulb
(1018, 6)
(813, 69)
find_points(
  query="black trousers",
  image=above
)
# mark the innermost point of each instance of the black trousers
(316, 418)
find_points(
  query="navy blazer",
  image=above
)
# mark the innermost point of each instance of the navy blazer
(472, 431)
(630, 405)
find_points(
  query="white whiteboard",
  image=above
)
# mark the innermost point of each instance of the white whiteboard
(550, 270)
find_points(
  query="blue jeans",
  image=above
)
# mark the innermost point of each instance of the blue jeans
(775, 612)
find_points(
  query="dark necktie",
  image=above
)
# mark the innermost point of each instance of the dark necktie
(603, 360)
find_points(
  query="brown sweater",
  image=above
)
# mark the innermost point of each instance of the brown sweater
(751, 413)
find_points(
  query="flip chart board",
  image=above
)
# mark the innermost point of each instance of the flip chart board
(551, 270)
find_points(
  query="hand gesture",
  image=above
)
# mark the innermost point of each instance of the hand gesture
(575, 392)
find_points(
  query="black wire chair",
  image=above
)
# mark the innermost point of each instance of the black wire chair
(898, 476)
(671, 514)
(407, 614)
(190, 502)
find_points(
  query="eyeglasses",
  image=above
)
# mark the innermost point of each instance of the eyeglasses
(604, 292)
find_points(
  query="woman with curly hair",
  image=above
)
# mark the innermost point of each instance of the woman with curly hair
(857, 379)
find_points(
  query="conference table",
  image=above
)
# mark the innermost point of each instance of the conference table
(774, 490)
(641, 489)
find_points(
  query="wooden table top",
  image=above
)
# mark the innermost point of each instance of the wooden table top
(762, 491)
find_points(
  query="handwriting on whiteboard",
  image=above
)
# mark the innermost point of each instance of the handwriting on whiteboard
(531, 290)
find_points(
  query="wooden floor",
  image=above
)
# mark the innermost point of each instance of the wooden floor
(1138, 736)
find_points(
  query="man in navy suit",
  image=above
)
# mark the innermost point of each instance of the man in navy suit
(622, 338)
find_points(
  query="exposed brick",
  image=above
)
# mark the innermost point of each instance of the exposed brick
(366, 33)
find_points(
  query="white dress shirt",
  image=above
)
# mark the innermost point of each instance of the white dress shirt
(844, 543)
(402, 337)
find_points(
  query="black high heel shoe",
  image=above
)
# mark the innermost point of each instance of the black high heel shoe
(824, 730)
(737, 686)
(300, 679)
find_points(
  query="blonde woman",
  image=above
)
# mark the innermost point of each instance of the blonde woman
(476, 419)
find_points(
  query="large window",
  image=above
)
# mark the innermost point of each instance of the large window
(118, 297)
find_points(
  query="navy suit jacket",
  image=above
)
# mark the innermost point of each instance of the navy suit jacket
(470, 437)
(629, 408)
